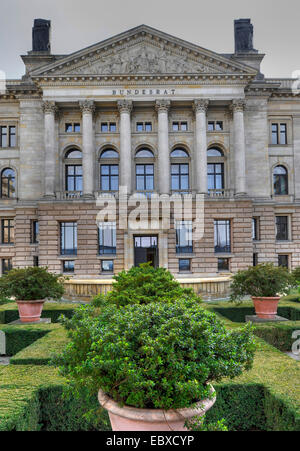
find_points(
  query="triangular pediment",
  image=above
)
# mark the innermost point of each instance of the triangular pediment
(143, 50)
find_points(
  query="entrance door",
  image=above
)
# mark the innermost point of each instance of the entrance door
(146, 250)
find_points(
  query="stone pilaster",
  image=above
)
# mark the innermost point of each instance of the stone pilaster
(200, 108)
(125, 108)
(50, 109)
(237, 108)
(87, 108)
(162, 108)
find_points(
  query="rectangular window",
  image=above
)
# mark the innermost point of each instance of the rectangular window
(184, 126)
(222, 236)
(180, 126)
(255, 259)
(184, 237)
(180, 177)
(223, 264)
(283, 260)
(140, 127)
(7, 231)
(107, 266)
(68, 238)
(255, 229)
(112, 127)
(35, 232)
(184, 265)
(175, 126)
(35, 260)
(104, 127)
(215, 176)
(109, 177)
(144, 177)
(3, 137)
(6, 265)
(68, 128)
(107, 238)
(279, 133)
(12, 136)
(68, 266)
(148, 127)
(283, 134)
(215, 126)
(74, 178)
(282, 230)
(76, 128)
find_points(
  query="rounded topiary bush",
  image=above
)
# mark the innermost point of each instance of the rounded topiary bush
(30, 284)
(145, 284)
(158, 355)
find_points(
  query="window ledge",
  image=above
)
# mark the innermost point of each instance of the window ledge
(107, 257)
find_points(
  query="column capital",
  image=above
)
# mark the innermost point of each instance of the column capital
(87, 106)
(162, 105)
(238, 105)
(50, 107)
(125, 106)
(200, 105)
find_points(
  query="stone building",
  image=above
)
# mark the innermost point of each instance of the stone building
(154, 114)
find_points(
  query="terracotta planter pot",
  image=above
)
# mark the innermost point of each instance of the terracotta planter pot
(133, 419)
(266, 308)
(30, 311)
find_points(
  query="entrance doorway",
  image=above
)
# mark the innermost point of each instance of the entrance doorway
(146, 250)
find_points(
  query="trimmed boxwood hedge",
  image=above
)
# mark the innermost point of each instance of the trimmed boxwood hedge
(41, 351)
(18, 338)
(9, 312)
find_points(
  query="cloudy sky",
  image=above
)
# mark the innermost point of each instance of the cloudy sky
(79, 23)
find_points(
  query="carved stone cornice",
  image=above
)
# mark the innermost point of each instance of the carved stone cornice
(200, 105)
(162, 105)
(125, 106)
(87, 106)
(238, 105)
(50, 107)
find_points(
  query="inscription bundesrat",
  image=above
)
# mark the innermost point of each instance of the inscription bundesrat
(143, 92)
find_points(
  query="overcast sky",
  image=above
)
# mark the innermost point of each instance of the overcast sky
(79, 23)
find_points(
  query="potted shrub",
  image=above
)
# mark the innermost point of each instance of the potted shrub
(30, 287)
(152, 364)
(265, 283)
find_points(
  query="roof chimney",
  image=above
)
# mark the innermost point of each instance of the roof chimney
(41, 32)
(243, 36)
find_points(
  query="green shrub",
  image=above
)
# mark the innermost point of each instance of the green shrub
(158, 355)
(145, 284)
(9, 312)
(265, 280)
(200, 424)
(30, 284)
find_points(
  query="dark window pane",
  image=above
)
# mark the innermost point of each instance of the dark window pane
(219, 125)
(274, 133)
(184, 264)
(35, 260)
(6, 265)
(140, 127)
(104, 127)
(282, 233)
(77, 128)
(255, 259)
(69, 128)
(222, 236)
(223, 264)
(211, 126)
(175, 126)
(7, 232)
(283, 134)
(280, 180)
(184, 126)
(148, 127)
(68, 238)
(255, 229)
(107, 266)
(113, 127)
(8, 181)
(69, 266)
(184, 237)
(107, 238)
(283, 260)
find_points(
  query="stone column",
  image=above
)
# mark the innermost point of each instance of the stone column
(200, 108)
(162, 108)
(87, 108)
(125, 108)
(237, 108)
(50, 109)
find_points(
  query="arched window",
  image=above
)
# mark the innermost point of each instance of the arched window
(215, 170)
(73, 172)
(109, 170)
(280, 180)
(180, 179)
(144, 171)
(8, 183)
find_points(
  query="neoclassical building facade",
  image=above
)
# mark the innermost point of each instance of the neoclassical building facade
(152, 114)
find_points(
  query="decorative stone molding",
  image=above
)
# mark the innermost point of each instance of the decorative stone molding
(238, 105)
(50, 107)
(87, 106)
(162, 105)
(200, 105)
(125, 106)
